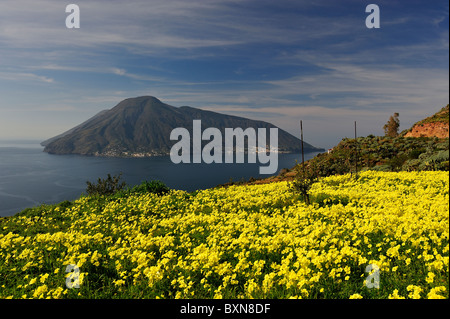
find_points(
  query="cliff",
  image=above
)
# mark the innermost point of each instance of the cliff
(436, 125)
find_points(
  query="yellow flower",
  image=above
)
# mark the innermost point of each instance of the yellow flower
(119, 282)
(430, 277)
(356, 296)
(395, 295)
(40, 291)
(56, 293)
(414, 291)
(434, 293)
(43, 278)
(243, 241)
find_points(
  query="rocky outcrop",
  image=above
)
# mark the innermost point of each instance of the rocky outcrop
(438, 129)
(432, 126)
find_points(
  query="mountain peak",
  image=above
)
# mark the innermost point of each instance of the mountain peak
(148, 98)
(139, 101)
(141, 126)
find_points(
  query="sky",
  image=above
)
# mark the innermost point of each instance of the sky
(279, 61)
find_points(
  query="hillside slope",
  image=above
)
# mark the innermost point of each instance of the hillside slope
(46, 142)
(141, 127)
(258, 242)
(425, 146)
(436, 125)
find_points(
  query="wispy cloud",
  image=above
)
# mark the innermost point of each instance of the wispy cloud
(20, 76)
(272, 60)
(160, 25)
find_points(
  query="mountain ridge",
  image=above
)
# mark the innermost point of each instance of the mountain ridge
(141, 127)
(48, 141)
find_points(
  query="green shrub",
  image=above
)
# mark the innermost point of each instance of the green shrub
(411, 165)
(108, 186)
(396, 162)
(415, 153)
(383, 154)
(305, 176)
(444, 166)
(381, 168)
(155, 187)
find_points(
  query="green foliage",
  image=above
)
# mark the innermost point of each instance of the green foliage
(162, 247)
(381, 168)
(414, 153)
(155, 187)
(108, 186)
(396, 162)
(381, 153)
(305, 176)
(391, 127)
(113, 189)
(438, 161)
(441, 116)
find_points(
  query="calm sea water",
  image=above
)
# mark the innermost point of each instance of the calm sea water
(29, 177)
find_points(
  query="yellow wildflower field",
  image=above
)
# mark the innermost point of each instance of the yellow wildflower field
(381, 235)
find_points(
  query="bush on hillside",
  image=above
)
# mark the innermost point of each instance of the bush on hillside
(305, 176)
(382, 153)
(108, 186)
(155, 187)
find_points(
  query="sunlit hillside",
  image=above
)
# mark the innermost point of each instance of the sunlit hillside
(382, 235)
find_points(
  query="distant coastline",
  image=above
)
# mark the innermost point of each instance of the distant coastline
(155, 153)
(21, 143)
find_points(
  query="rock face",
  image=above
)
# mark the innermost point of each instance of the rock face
(438, 129)
(141, 127)
(436, 125)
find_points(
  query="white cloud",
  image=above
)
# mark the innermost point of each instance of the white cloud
(158, 25)
(338, 75)
(20, 76)
(119, 71)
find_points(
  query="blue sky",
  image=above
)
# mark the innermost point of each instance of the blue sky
(278, 61)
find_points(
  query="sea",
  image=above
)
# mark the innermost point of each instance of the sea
(30, 177)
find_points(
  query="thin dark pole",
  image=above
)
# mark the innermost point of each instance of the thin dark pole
(356, 152)
(301, 138)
